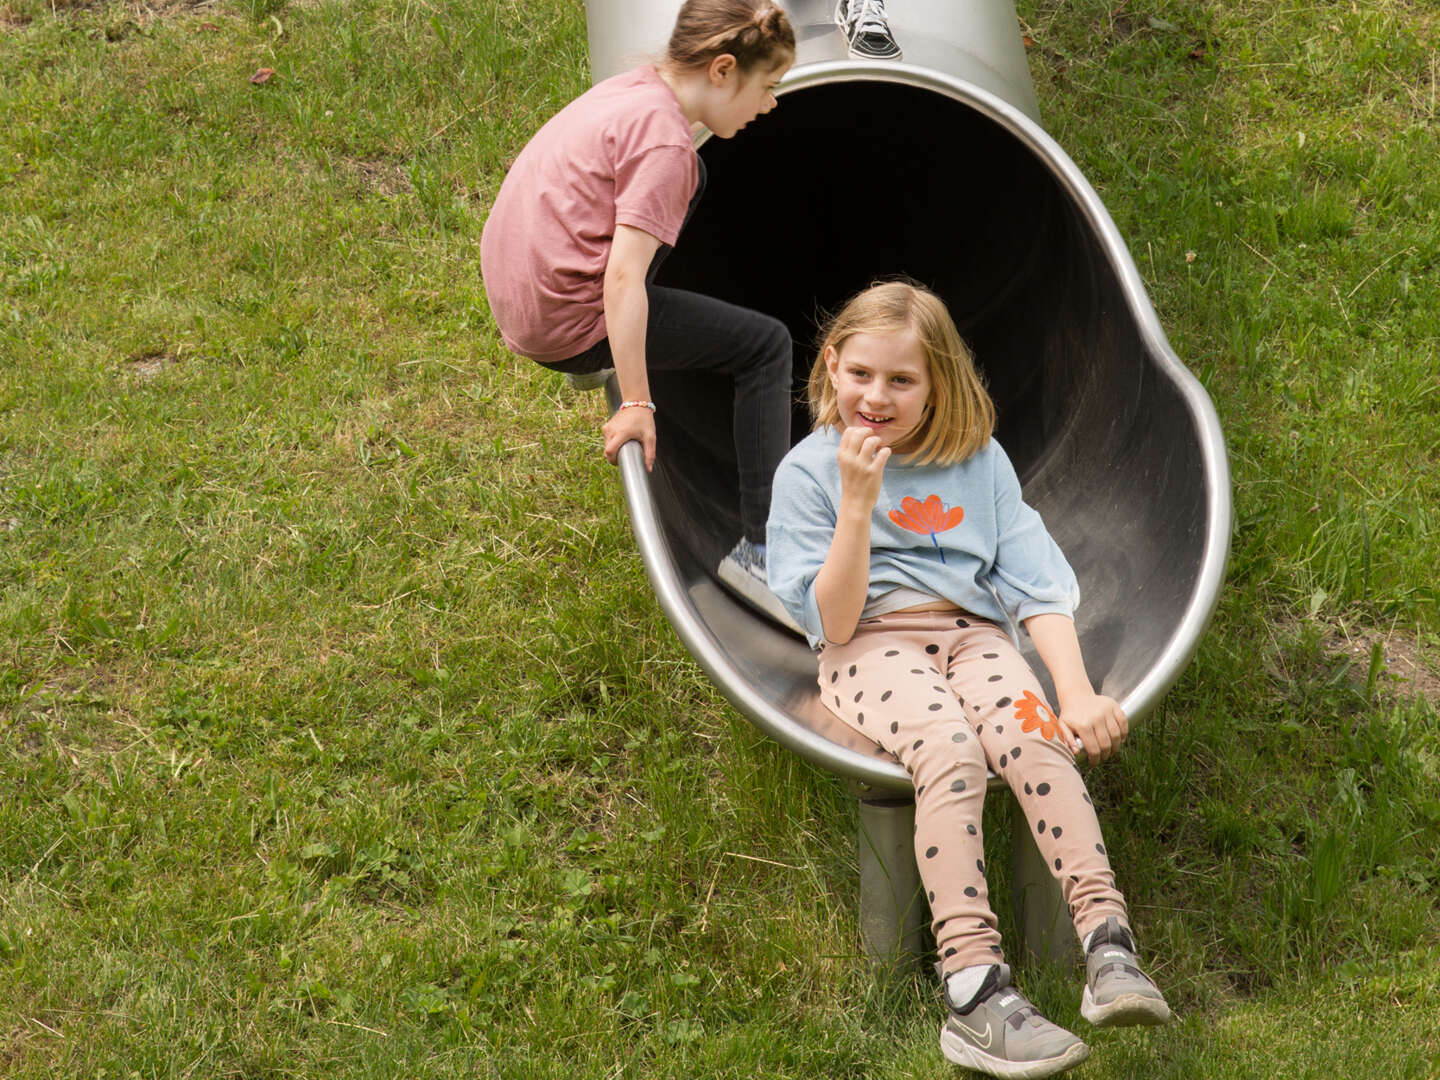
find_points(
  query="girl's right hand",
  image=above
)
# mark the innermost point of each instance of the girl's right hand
(861, 457)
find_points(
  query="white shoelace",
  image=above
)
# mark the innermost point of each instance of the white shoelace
(868, 14)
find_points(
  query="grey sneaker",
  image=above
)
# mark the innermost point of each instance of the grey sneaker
(589, 380)
(743, 573)
(866, 29)
(1002, 1034)
(1117, 992)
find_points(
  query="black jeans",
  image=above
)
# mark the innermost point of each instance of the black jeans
(688, 331)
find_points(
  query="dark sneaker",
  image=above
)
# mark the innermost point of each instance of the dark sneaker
(1002, 1034)
(589, 380)
(866, 29)
(743, 573)
(1117, 992)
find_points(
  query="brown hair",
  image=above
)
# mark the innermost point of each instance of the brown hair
(755, 32)
(961, 416)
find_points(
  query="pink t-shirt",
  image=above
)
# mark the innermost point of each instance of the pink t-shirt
(619, 154)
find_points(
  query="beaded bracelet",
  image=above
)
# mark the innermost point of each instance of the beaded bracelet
(637, 405)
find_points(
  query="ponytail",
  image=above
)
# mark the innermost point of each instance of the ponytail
(755, 32)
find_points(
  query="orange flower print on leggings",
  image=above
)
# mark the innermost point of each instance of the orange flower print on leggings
(927, 518)
(1036, 714)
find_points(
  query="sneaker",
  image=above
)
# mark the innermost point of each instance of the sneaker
(999, 1033)
(1117, 992)
(743, 572)
(867, 29)
(589, 380)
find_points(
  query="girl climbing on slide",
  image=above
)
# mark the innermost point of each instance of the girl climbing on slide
(591, 207)
(899, 541)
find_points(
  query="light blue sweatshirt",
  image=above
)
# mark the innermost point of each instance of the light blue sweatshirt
(960, 533)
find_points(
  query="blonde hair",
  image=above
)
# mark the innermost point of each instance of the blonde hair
(756, 32)
(960, 417)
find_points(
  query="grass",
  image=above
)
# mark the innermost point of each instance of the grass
(1282, 157)
(341, 736)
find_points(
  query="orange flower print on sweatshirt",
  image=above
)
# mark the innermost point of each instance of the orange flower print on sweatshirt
(927, 518)
(1036, 714)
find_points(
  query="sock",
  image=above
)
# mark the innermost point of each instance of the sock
(963, 987)
(1094, 937)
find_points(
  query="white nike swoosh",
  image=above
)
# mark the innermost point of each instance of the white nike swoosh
(982, 1040)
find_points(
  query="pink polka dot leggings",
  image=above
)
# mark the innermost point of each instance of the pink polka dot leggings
(950, 696)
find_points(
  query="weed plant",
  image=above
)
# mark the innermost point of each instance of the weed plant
(339, 732)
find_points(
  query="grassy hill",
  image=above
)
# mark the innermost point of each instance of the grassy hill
(339, 732)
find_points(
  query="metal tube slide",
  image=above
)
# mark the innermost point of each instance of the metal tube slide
(934, 167)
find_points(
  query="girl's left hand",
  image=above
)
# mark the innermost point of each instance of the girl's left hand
(627, 425)
(1097, 723)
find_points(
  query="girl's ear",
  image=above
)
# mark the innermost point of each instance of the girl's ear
(720, 69)
(832, 363)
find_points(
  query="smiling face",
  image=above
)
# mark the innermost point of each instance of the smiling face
(882, 383)
(736, 97)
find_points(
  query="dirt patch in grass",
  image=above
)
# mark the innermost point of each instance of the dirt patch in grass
(14, 19)
(387, 178)
(121, 18)
(147, 11)
(1410, 667)
(141, 10)
(146, 365)
(10, 19)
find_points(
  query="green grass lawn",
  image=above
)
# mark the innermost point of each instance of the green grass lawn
(339, 732)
